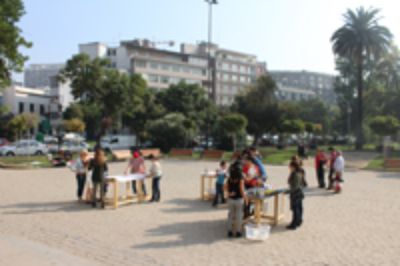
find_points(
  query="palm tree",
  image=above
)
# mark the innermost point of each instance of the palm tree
(361, 39)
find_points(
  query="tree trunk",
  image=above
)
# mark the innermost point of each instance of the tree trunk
(360, 107)
(255, 141)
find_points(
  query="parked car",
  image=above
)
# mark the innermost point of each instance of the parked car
(4, 142)
(118, 142)
(74, 146)
(24, 147)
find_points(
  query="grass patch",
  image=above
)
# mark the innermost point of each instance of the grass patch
(26, 161)
(376, 164)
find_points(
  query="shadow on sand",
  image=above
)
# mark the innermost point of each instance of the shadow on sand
(318, 192)
(45, 207)
(392, 175)
(186, 205)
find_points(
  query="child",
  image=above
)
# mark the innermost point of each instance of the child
(296, 195)
(219, 185)
(234, 188)
(81, 169)
(302, 172)
(99, 169)
(155, 173)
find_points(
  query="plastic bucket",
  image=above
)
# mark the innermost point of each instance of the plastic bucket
(257, 232)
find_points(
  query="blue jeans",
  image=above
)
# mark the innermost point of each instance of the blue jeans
(155, 185)
(219, 194)
(81, 180)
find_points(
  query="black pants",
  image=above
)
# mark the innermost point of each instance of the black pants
(219, 194)
(321, 176)
(81, 180)
(155, 186)
(296, 204)
(143, 187)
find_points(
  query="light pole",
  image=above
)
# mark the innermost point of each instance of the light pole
(210, 67)
(210, 79)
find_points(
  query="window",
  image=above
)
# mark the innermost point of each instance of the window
(197, 71)
(243, 79)
(111, 52)
(140, 63)
(42, 110)
(225, 77)
(21, 107)
(154, 65)
(235, 78)
(164, 79)
(176, 68)
(165, 67)
(153, 78)
(235, 68)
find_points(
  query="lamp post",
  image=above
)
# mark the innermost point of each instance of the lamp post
(210, 79)
(210, 68)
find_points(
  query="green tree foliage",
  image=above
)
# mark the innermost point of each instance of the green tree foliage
(233, 125)
(22, 123)
(295, 126)
(359, 40)
(11, 40)
(74, 125)
(384, 125)
(169, 131)
(260, 106)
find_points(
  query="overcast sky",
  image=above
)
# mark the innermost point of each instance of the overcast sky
(287, 34)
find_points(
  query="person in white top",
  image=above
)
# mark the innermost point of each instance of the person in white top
(339, 170)
(155, 174)
(81, 167)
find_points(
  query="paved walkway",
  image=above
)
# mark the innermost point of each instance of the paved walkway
(41, 224)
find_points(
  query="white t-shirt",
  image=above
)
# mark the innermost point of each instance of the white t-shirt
(339, 164)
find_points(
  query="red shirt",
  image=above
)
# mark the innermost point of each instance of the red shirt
(319, 159)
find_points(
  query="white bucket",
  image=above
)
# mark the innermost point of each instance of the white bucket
(257, 232)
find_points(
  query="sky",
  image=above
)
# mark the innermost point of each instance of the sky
(287, 34)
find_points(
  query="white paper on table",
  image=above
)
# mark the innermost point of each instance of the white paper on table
(127, 178)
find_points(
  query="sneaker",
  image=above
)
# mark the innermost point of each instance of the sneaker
(291, 227)
(230, 234)
(238, 235)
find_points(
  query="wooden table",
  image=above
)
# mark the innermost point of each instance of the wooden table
(128, 198)
(205, 189)
(278, 207)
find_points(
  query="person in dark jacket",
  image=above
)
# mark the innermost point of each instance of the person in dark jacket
(99, 168)
(296, 195)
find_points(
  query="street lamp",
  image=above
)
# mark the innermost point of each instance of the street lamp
(210, 81)
(210, 68)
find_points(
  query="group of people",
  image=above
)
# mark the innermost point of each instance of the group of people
(99, 171)
(335, 163)
(248, 172)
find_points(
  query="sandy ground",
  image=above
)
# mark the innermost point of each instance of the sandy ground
(41, 224)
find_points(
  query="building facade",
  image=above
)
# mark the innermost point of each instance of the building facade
(303, 84)
(39, 75)
(231, 71)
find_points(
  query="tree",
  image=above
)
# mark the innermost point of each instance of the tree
(169, 131)
(22, 123)
(11, 40)
(384, 125)
(360, 39)
(233, 125)
(74, 125)
(74, 110)
(295, 126)
(260, 106)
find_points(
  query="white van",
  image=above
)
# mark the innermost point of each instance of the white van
(118, 142)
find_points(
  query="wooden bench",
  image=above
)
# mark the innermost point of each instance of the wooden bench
(181, 152)
(392, 163)
(213, 154)
(121, 155)
(148, 152)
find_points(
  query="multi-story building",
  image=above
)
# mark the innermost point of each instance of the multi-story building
(160, 68)
(233, 71)
(285, 93)
(321, 85)
(39, 75)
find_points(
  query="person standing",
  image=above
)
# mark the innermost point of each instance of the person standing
(296, 196)
(332, 159)
(234, 188)
(339, 171)
(99, 169)
(136, 166)
(155, 173)
(81, 167)
(320, 161)
(219, 184)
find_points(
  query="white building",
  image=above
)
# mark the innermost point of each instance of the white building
(39, 75)
(287, 93)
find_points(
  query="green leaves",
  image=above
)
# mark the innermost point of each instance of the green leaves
(384, 125)
(11, 40)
